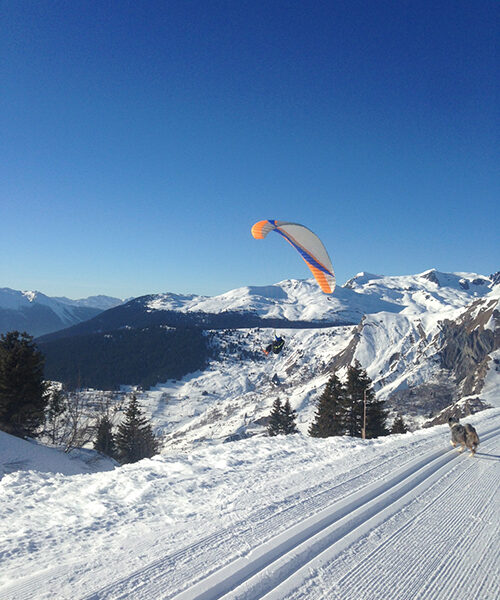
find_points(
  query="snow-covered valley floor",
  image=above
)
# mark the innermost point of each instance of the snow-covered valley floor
(403, 517)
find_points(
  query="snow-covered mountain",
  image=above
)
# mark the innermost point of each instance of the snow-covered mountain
(441, 346)
(426, 341)
(37, 314)
(291, 300)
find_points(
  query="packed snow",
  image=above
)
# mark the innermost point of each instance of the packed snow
(292, 517)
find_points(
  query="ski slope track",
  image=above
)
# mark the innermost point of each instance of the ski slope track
(403, 517)
(335, 551)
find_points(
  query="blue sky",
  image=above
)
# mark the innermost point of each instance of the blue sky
(141, 140)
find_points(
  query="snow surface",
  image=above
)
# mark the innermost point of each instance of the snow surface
(404, 517)
(20, 455)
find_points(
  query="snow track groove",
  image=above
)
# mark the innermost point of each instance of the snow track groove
(397, 567)
(391, 520)
(289, 554)
(239, 537)
(274, 568)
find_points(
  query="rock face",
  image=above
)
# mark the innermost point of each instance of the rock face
(459, 410)
(466, 344)
(432, 277)
(424, 399)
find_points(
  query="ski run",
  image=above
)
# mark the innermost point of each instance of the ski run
(401, 517)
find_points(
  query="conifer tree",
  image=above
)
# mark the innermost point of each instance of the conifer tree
(105, 442)
(376, 417)
(57, 405)
(330, 411)
(358, 384)
(354, 398)
(135, 439)
(288, 417)
(398, 425)
(275, 418)
(22, 387)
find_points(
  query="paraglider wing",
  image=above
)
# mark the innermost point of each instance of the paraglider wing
(307, 244)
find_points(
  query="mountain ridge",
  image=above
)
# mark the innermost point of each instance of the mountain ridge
(38, 314)
(428, 332)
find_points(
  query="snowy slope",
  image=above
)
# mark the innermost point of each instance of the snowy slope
(28, 455)
(424, 291)
(291, 299)
(276, 518)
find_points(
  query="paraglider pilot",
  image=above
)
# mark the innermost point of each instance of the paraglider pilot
(276, 346)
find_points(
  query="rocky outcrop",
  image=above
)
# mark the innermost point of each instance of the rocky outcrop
(495, 278)
(425, 399)
(431, 276)
(346, 357)
(459, 410)
(466, 344)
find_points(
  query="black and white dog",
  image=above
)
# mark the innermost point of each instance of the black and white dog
(465, 435)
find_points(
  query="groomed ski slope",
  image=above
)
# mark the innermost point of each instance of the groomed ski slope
(403, 517)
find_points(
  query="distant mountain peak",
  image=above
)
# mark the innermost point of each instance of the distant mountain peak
(431, 275)
(361, 278)
(37, 314)
(30, 295)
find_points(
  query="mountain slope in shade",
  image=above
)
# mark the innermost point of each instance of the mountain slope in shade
(38, 314)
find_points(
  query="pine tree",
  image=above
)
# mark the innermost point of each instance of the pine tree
(135, 439)
(330, 411)
(355, 389)
(376, 418)
(22, 387)
(105, 442)
(288, 417)
(275, 418)
(398, 425)
(57, 405)
(358, 384)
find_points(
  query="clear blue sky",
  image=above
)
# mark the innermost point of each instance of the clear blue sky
(140, 140)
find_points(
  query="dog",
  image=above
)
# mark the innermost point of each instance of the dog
(465, 435)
